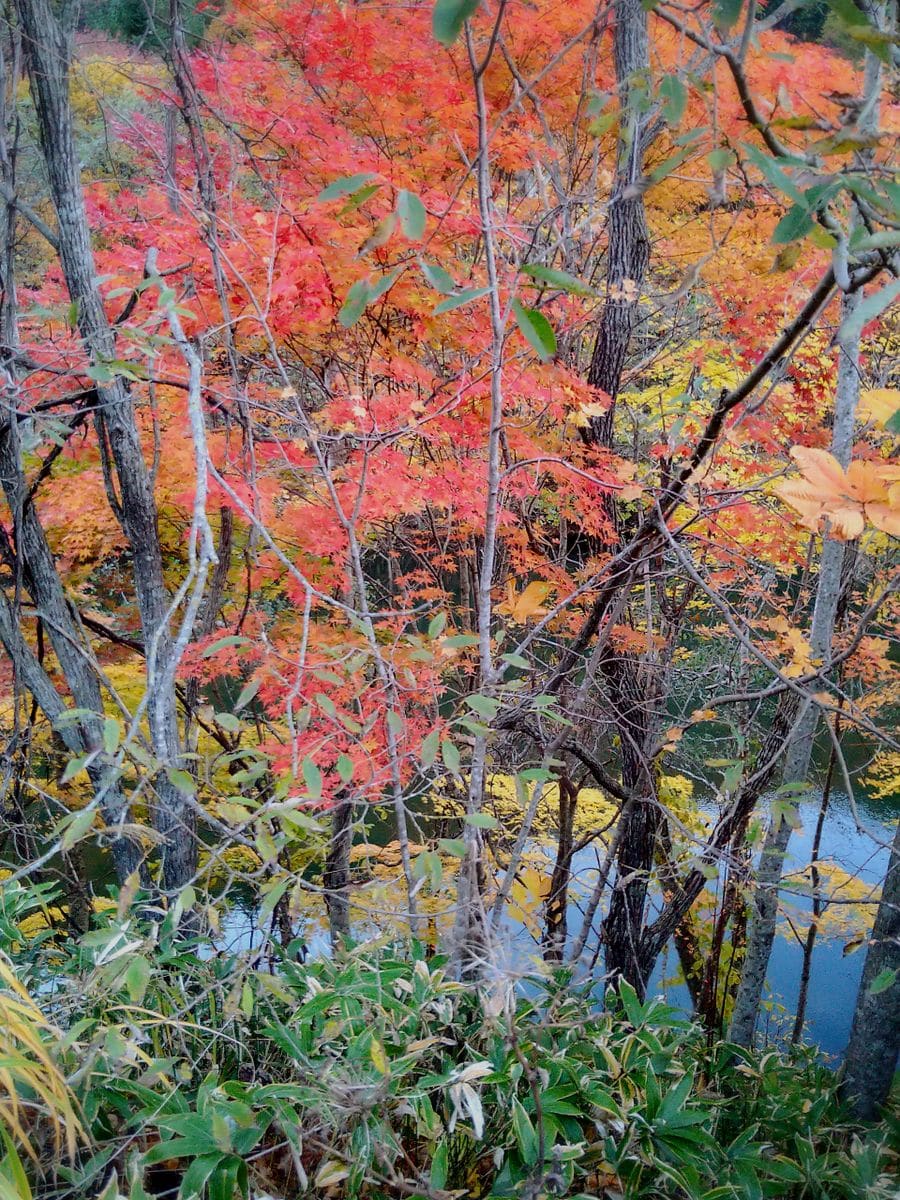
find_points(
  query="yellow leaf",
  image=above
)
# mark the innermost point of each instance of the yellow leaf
(528, 604)
(379, 1058)
(583, 414)
(330, 1173)
(879, 404)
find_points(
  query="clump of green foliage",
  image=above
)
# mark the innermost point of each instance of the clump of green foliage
(375, 1074)
(147, 21)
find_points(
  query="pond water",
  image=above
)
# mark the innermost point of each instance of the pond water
(847, 853)
(835, 976)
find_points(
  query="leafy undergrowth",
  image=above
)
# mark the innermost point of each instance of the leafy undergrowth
(376, 1075)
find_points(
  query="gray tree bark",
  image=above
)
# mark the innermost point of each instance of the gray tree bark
(628, 256)
(46, 46)
(761, 936)
(764, 913)
(871, 1058)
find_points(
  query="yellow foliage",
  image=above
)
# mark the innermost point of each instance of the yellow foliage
(27, 1066)
(883, 777)
(880, 404)
(527, 604)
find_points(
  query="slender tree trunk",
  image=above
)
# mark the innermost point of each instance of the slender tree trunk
(761, 936)
(628, 255)
(828, 593)
(555, 922)
(336, 877)
(871, 1058)
(817, 907)
(46, 45)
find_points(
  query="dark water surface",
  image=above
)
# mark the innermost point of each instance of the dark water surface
(860, 852)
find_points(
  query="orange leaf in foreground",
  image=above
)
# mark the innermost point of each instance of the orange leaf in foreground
(867, 491)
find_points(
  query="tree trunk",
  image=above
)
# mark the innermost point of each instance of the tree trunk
(336, 877)
(556, 909)
(127, 855)
(871, 1057)
(46, 45)
(764, 913)
(628, 255)
(828, 594)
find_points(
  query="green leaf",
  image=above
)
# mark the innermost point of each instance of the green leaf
(459, 300)
(437, 625)
(344, 186)
(674, 98)
(485, 706)
(112, 731)
(439, 279)
(448, 18)
(537, 329)
(312, 777)
(233, 639)
(440, 1166)
(76, 828)
(450, 755)
(384, 284)
(796, 223)
(137, 977)
(773, 173)
(355, 305)
(726, 12)
(195, 1177)
(430, 745)
(182, 780)
(411, 212)
(248, 691)
(481, 821)
(670, 164)
(345, 768)
(526, 1136)
(458, 640)
(558, 279)
(883, 982)
(454, 846)
(721, 159)
(359, 198)
(73, 766)
(867, 310)
(849, 13)
(363, 293)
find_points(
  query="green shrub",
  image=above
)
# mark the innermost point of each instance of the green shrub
(146, 21)
(377, 1075)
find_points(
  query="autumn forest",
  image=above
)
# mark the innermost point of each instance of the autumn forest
(448, 599)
